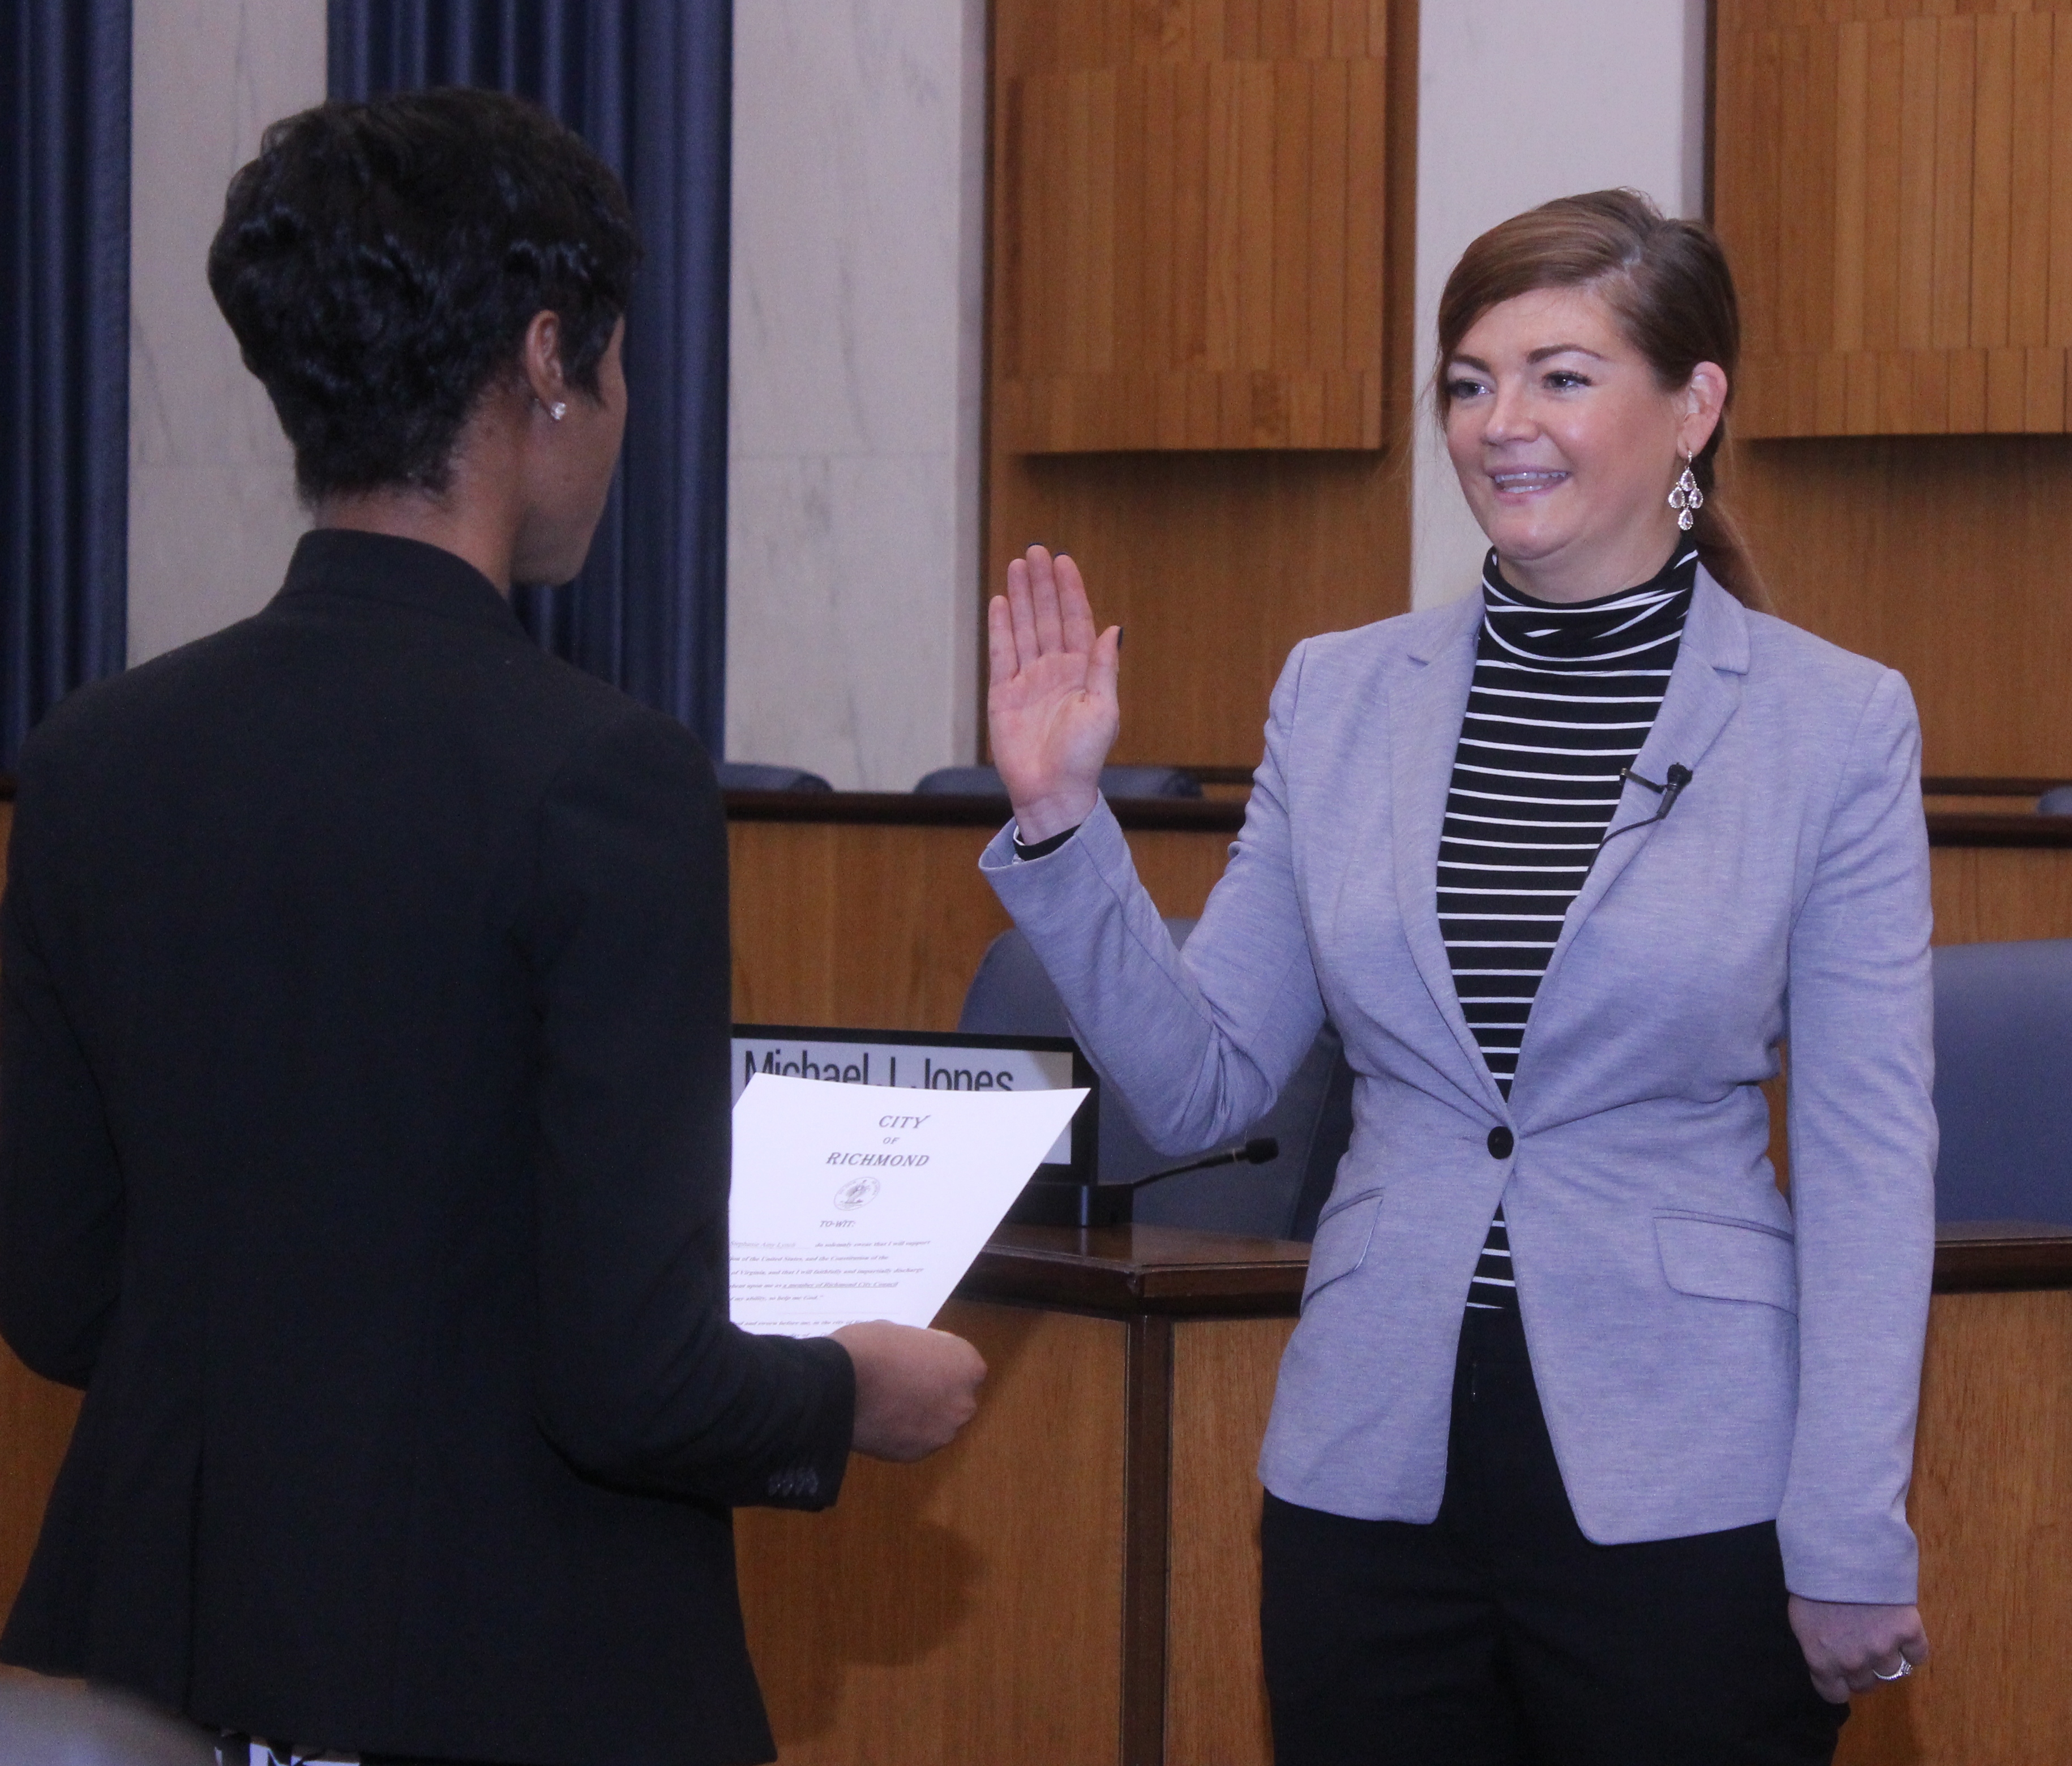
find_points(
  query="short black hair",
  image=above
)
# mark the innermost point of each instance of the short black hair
(380, 262)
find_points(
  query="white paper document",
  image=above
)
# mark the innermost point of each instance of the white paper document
(853, 1202)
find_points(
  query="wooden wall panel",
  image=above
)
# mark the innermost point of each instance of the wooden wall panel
(36, 1420)
(1218, 556)
(1183, 212)
(1216, 566)
(968, 1608)
(1889, 178)
(1223, 1373)
(1944, 556)
(1218, 561)
(876, 927)
(882, 928)
(1986, 894)
(1992, 1465)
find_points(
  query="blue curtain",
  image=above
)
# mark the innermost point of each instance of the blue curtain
(649, 84)
(64, 352)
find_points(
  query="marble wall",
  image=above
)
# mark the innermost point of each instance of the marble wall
(859, 158)
(212, 512)
(1518, 102)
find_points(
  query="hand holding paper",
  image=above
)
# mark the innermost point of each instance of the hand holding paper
(856, 1202)
(915, 1388)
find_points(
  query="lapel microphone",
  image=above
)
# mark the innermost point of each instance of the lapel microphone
(1678, 776)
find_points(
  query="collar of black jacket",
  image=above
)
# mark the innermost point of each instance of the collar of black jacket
(405, 573)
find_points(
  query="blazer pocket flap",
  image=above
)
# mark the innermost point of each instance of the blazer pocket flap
(1343, 1233)
(1728, 1259)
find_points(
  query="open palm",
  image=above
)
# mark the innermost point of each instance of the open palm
(1051, 708)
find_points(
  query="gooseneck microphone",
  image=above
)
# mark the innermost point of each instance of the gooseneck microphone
(1255, 1152)
(1061, 1202)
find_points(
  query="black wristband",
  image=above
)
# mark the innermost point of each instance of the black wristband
(1043, 848)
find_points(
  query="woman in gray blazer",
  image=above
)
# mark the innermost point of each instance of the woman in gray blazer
(1590, 1446)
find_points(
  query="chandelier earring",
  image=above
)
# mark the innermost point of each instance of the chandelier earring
(1687, 499)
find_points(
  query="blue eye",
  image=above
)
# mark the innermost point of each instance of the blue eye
(1457, 390)
(1566, 379)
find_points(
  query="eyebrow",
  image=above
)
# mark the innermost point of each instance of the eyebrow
(1539, 355)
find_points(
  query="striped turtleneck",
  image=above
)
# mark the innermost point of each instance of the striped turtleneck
(1563, 697)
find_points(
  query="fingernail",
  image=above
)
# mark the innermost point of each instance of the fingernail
(1121, 632)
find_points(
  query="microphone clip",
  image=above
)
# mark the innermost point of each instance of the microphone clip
(1678, 776)
(1674, 781)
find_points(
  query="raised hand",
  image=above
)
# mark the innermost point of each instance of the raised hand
(1051, 707)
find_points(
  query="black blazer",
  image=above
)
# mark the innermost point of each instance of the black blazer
(364, 1153)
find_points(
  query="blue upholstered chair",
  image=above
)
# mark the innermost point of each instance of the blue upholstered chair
(1116, 783)
(1313, 1120)
(2003, 1081)
(755, 776)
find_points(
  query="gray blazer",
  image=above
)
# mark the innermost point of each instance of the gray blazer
(1708, 1355)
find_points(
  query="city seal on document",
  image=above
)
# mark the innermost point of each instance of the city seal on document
(856, 1192)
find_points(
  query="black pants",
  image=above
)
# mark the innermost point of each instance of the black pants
(1499, 1635)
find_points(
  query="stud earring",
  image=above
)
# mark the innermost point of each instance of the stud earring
(1687, 499)
(557, 410)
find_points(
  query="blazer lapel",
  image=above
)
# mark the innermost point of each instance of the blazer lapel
(1425, 706)
(1704, 691)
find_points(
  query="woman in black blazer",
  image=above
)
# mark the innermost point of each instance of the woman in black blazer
(363, 1100)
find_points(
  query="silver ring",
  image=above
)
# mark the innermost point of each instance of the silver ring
(1905, 1668)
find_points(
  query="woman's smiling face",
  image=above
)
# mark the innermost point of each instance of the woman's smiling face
(1567, 445)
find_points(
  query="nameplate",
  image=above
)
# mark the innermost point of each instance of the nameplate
(932, 1061)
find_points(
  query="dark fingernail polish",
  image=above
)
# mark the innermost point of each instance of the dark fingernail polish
(1121, 632)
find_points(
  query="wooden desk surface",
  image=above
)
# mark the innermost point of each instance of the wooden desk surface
(1226, 815)
(1995, 1256)
(1139, 1271)
(1126, 1271)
